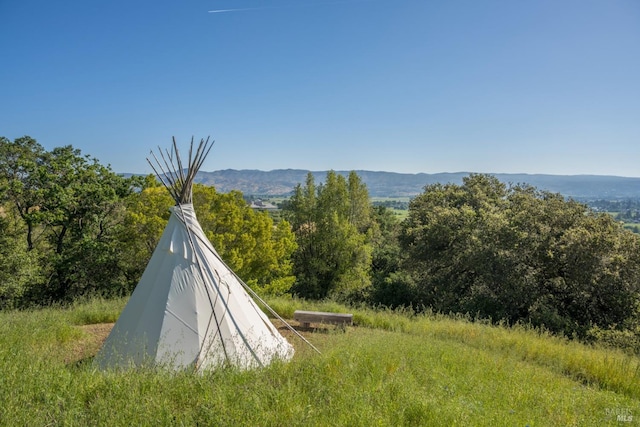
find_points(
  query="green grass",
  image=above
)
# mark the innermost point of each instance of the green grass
(392, 369)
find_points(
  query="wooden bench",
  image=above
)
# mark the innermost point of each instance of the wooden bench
(306, 318)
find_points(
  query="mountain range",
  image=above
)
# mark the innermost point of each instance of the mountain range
(281, 182)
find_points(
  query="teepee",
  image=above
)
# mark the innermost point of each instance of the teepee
(189, 309)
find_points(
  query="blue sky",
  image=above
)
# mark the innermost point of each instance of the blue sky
(396, 85)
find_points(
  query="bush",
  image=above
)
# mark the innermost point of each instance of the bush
(519, 255)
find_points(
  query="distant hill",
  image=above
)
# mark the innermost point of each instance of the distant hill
(390, 184)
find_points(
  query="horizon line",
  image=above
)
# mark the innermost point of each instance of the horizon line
(405, 173)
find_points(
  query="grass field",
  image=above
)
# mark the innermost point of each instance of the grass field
(391, 369)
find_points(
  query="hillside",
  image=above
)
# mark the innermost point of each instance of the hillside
(391, 369)
(390, 184)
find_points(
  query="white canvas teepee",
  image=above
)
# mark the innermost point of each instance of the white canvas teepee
(189, 309)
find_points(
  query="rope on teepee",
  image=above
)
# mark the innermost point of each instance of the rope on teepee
(264, 303)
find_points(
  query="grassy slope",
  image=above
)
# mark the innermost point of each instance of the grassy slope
(391, 370)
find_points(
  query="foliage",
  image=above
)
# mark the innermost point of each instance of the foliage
(390, 285)
(521, 255)
(21, 163)
(71, 207)
(147, 213)
(625, 339)
(83, 210)
(18, 266)
(70, 227)
(85, 230)
(247, 241)
(333, 227)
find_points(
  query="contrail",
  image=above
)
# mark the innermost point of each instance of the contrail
(235, 10)
(289, 6)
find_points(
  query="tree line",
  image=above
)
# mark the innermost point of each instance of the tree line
(70, 227)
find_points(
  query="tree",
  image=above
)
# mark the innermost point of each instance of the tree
(332, 223)
(519, 254)
(391, 287)
(147, 213)
(71, 207)
(444, 239)
(248, 241)
(18, 265)
(83, 208)
(21, 161)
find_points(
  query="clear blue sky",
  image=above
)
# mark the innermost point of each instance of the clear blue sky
(549, 86)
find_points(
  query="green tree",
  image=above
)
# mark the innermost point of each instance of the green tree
(21, 161)
(519, 254)
(444, 239)
(391, 286)
(71, 207)
(332, 223)
(83, 208)
(146, 216)
(584, 265)
(248, 241)
(18, 266)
